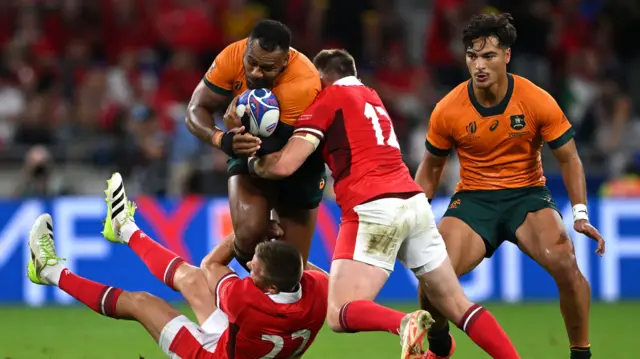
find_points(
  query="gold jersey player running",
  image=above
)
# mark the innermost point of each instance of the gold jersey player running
(497, 123)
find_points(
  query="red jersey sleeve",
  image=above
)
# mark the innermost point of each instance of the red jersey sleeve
(321, 279)
(317, 118)
(228, 296)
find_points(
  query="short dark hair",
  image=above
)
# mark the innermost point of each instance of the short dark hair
(486, 25)
(282, 264)
(271, 35)
(337, 61)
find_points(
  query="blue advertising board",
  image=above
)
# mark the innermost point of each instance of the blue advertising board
(192, 226)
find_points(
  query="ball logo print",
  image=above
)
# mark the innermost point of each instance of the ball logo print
(262, 111)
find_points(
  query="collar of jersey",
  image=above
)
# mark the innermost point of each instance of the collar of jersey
(286, 297)
(497, 109)
(348, 81)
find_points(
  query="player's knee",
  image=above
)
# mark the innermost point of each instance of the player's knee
(141, 299)
(249, 235)
(193, 281)
(333, 320)
(207, 261)
(562, 264)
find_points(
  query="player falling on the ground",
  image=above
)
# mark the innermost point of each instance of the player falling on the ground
(497, 123)
(263, 60)
(385, 215)
(275, 313)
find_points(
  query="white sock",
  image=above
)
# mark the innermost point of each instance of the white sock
(127, 230)
(52, 273)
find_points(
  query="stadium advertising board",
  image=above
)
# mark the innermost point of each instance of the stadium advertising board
(191, 226)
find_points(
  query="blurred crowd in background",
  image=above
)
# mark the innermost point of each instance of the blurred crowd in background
(90, 87)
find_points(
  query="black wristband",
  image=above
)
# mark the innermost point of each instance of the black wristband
(252, 167)
(429, 199)
(226, 143)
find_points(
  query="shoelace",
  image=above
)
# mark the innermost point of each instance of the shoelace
(131, 210)
(46, 245)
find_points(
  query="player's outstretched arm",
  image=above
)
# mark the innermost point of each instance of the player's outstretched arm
(283, 163)
(215, 264)
(429, 173)
(574, 180)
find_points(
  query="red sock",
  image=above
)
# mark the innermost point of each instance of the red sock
(162, 263)
(367, 316)
(484, 330)
(99, 297)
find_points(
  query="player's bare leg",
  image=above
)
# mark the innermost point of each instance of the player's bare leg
(165, 265)
(466, 250)
(176, 274)
(250, 214)
(446, 294)
(298, 226)
(46, 268)
(192, 284)
(544, 238)
(353, 286)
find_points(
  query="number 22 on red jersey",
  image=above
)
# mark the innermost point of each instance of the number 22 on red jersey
(278, 343)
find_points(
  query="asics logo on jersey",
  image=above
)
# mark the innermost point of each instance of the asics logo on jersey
(494, 125)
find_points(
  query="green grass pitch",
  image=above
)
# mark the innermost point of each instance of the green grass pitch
(536, 329)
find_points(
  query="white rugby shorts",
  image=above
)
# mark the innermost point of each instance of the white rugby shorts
(382, 230)
(181, 336)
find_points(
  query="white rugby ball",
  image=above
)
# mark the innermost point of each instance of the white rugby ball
(262, 109)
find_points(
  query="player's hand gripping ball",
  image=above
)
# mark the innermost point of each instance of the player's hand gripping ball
(260, 111)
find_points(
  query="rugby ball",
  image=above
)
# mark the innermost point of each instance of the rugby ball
(259, 110)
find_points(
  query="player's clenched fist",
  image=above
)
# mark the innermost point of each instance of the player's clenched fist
(245, 144)
(237, 143)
